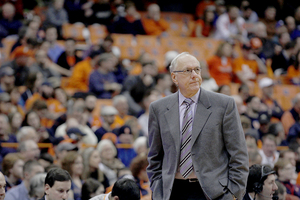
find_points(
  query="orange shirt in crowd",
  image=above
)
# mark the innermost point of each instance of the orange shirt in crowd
(119, 121)
(292, 72)
(80, 77)
(220, 70)
(206, 29)
(248, 67)
(21, 51)
(153, 27)
(287, 121)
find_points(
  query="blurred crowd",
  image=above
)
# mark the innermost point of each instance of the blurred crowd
(83, 107)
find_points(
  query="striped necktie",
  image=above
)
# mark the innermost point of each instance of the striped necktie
(185, 164)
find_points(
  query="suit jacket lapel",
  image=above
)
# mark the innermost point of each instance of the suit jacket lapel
(201, 116)
(172, 117)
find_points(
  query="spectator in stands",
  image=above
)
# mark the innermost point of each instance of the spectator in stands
(108, 115)
(140, 145)
(68, 59)
(91, 188)
(12, 167)
(5, 137)
(138, 169)
(201, 6)
(260, 31)
(46, 160)
(98, 12)
(224, 89)
(77, 119)
(254, 158)
(253, 110)
(43, 65)
(292, 116)
(30, 169)
(80, 77)
(120, 102)
(220, 65)
(144, 118)
(27, 133)
(6, 106)
(204, 27)
(270, 104)
(268, 152)
(264, 124)
(281, 192)
(153, 24)
(248, 13)
(61, 151)
(32, 83)
(291, 27)
(29, 150)
(91, 161)
(230, 26)
(240, 104)
(36, 186)
(270, 21)
(126, 153)
(102, 82)
(282, 60)
(7, 79)
(247, 67)
(15, 121)
(285, 171)
(289, 156)
(9, 24)
(73, 163)
(130, 23)
(280, 28)
(123, 188)
(20, 67)
(293, 71)
(257, 48)
(109, 163)
(57, 16)
(90, 105)
(163, 84)
(277, 130)
(220, 9)
(55, 49)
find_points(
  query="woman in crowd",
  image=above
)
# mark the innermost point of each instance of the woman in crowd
(286, 172)
(91, 188)
(204, 27)
(293, 72)
(220, 65)
(109, 163)
(91, 161)
(15, 120)
(73, 163)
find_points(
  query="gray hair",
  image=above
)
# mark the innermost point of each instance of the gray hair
(140, 141)
(36, 184)
(23, 132)
(175, 60)
(118, 98)
(105, 142)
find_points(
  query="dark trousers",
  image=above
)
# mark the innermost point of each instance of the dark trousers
(185, 190)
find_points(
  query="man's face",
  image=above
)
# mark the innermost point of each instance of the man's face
(17, 170)
(2, 186)
(269, 188)
(233, 13)
(8, 79)
(35, 170)
(59, 191)
(188, 84)
(32, 151)
(291, 157)
(122, 107)
(269, 147)
(51, 35)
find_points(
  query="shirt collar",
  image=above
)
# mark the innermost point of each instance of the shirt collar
(194, 98)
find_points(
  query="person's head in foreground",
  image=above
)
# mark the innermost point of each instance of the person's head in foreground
(57, 184)
(261, 182)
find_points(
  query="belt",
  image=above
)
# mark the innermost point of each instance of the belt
(191, 180)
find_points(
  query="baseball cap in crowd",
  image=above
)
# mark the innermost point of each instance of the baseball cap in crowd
(73, 133)
(4, 97)
(265, 82)
(264, 118)
(255, 43)
(66, 146)
(6, 71)
(108, 110)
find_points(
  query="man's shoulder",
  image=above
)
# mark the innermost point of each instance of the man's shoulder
(14, 193)
(100, 197)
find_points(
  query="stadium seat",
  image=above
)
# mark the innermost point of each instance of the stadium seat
(74, 31)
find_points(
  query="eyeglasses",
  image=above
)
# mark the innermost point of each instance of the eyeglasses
(197, 70)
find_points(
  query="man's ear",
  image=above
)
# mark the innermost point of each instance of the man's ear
(174, 78)
(47, 188)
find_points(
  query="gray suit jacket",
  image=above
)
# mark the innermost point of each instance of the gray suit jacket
(219, 150)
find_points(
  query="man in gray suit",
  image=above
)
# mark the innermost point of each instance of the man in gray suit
(197, 144)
